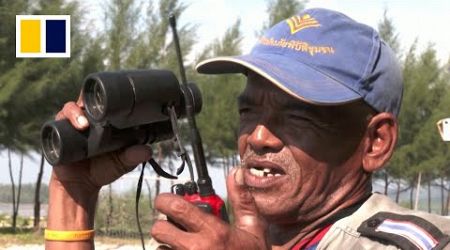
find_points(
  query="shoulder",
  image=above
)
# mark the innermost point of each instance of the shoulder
(381, 224)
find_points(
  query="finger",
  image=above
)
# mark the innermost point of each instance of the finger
(166, 233)
(185, 213)
(246, 213)
(109, 167)
(80, 102)
(75, 115)
(134, 155)
(60, 115)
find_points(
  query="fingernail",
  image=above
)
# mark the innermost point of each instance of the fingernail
(239, 176)
(82, 121)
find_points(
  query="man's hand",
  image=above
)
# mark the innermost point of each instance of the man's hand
(206, 231)
(94, 173)
(74, 188)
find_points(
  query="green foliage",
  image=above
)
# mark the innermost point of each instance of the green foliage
(121, 31)
(21, 236)
(147, 42)
(123, 218)
(27, 193)
(425, 101)
(281, 9)
(388, 33)
(425, 97)
(8, 12)
(219, 120)
(33, 89)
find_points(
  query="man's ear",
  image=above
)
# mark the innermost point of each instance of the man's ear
(380, 140)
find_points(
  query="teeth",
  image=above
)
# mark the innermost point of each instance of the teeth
(266, 172)
(256, 172)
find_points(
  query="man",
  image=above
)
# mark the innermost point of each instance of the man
(317, 117)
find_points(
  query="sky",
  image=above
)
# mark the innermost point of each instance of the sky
(426, 21)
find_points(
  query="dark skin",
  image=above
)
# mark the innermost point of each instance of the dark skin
(316, 149)
(318, 160)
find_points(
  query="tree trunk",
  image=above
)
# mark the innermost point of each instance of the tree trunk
(109, 214)
(442, 196)
(397, 195)
(226, 166)
(19, 189)
(13, 189)
(416, 203)
(158, 181)
(37, 193)
(157, 186)
(171, 168)
(429, 196)
(411, 196)
(150, 198)
(448, 201)
(157, 190)
(386, 183)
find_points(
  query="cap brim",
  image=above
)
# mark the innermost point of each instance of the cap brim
(301, 81)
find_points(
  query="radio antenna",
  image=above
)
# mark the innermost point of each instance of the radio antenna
(204, 181)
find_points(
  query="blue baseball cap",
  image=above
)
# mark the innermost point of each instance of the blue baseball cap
(322, 57)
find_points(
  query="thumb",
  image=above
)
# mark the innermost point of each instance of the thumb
(246, 213)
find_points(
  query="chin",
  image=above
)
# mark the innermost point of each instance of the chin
(273, 207)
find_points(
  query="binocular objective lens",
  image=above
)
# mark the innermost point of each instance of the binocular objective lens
(52, 143)
(55, 143)
(99, 98)
(95, 99)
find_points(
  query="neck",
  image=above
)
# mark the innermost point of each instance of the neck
(284, 236)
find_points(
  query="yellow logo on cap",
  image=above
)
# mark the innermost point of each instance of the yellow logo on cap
(297, 23)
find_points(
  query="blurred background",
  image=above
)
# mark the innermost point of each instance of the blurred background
(109, 35)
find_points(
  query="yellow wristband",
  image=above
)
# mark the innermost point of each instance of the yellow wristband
(55, 235)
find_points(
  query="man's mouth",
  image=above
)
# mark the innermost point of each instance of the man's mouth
(263, 174)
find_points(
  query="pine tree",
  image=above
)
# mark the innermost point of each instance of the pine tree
(33, 89)
(219, 120)
(424, 88)
(281, 9)
(388, 33)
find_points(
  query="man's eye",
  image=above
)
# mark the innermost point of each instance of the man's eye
(248, 113)
(301, 118)
(244, 111)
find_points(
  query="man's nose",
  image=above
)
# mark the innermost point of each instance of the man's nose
(262, 140)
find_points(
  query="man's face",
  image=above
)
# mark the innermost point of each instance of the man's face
(301, 160)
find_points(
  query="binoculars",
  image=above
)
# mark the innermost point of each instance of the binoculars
(123, 108)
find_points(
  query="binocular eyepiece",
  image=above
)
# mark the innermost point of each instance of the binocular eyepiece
(123, 108)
